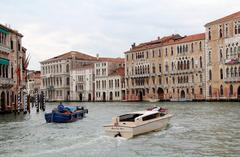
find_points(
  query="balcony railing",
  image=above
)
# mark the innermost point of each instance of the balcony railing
(232, 79)
(5, 48)
(6, 82)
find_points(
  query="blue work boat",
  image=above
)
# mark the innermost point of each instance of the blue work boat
(65, 114)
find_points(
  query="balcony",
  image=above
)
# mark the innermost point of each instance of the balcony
(6, 82)
(140, 75)
(5, 48)
(232, 61)
(232, 79)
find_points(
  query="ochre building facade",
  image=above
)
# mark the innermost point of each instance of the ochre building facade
(169, 68)
(223, 58)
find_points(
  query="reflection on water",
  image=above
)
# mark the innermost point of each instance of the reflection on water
(197, 129)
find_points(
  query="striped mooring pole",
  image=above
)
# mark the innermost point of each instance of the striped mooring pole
(37, 101)
(25, 103)
(43, 101)
(19, 101)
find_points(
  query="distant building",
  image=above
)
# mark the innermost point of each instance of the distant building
(12, 69)
(169, 68)
(82, 83)
(33, 82)
(223, 58)
(109, 79)
(55, 74)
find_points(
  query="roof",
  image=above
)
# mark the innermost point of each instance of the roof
(224, 19)
(189, 38)
(167, 40)
(118, 72)
(71, 55)
(11, 30)
(106, 59)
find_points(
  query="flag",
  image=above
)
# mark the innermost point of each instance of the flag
(18, 71)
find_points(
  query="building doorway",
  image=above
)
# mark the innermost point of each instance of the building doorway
(140, 96)
(182, 94)
(111, 96)
(104, 96)
(89, 97)
(80, 97)
(3, 107)
(160, 93)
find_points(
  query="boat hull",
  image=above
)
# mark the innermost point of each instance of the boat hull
(129, 132)
(58, 117)
(153, 100)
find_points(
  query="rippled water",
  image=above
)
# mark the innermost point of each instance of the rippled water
(197, 129)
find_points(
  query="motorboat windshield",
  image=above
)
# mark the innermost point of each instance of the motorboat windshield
(128, 117)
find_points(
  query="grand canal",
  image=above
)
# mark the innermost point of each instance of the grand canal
(197, 129)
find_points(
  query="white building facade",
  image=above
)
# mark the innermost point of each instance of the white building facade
(108, 80)
(82, 83)
(55, 74)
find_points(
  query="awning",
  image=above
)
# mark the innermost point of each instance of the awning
(4, 30)
(4, 61)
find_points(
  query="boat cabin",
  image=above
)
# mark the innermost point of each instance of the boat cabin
(136, 118)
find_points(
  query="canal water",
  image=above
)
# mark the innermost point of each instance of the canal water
(197, 129)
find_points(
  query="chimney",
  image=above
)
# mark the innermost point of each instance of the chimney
(158, 38)
(133, 45)
(97, 55)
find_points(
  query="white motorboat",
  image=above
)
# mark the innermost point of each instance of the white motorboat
(135, 123)
(153, 100)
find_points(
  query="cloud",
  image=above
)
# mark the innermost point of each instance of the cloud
(107, 27)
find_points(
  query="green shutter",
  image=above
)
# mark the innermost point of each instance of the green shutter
(4, 61)
(4, 30)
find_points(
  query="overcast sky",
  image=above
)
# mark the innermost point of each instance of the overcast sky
(106, 27)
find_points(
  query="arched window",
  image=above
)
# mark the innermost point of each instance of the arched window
(185, 65)
(220, 32)
(227, 54)
(192, 63)
(188, 64)
(210, 91)
(235, 50)
(221, 74)
(232, 72)
(209, 57)
(235, 28)
(221, 90)
(227, 72)
(231, 90)
(67, 68)
(210, 74)
(68, 81)
(201, 62)
(183, 48)
(200, 46)
(209, 34)
(221, 55)
(192, 47)
(235, 72)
